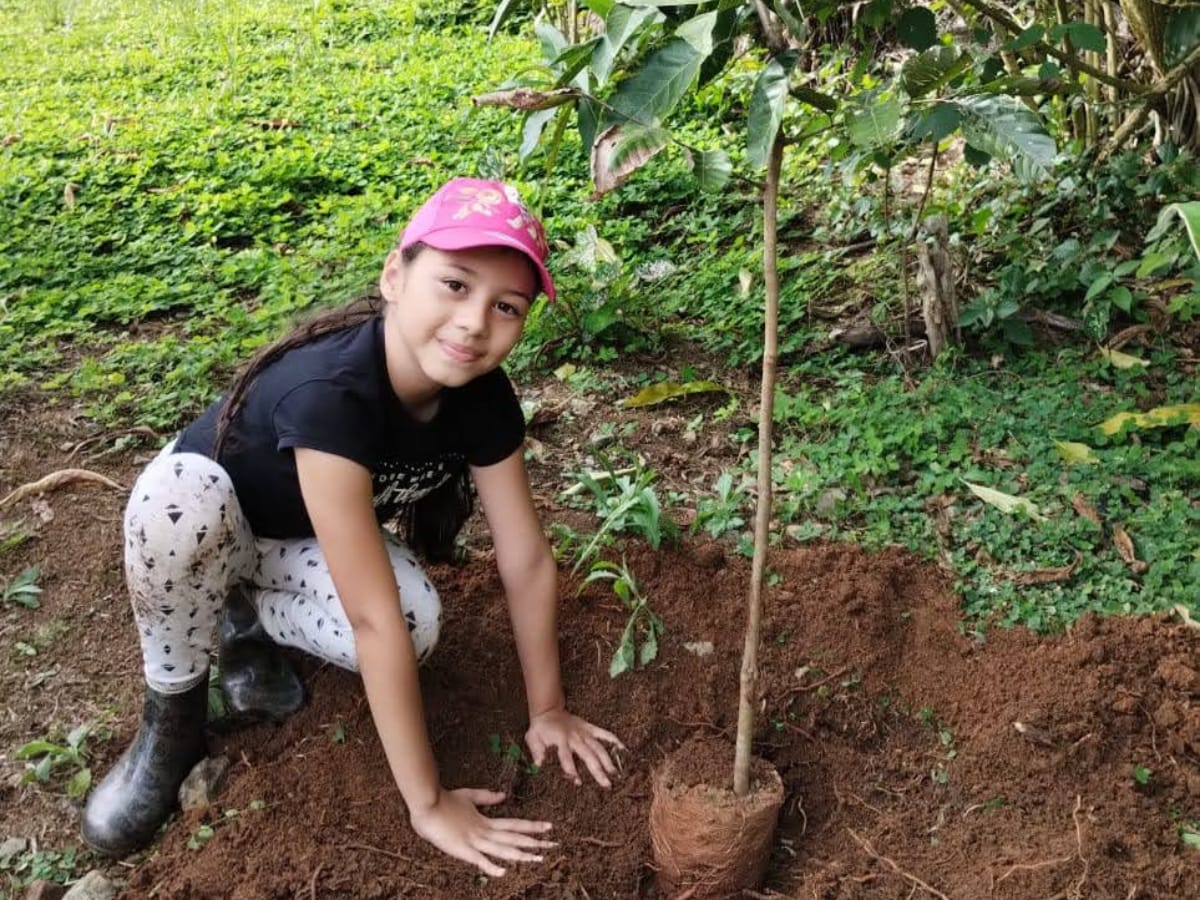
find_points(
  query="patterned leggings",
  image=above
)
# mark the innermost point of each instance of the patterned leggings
(187, 544)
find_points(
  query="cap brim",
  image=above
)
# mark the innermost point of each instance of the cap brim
(467, 238)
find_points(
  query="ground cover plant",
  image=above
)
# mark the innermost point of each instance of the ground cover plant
(177, 180)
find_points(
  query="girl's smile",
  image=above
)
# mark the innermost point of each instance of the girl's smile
(452, 316)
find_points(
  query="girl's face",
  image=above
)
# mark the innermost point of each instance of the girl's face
(452, 315)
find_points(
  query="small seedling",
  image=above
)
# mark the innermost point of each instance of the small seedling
(23, 589)
(625, 586)
(1189, 833)
(52, 757)
(338, 733)
(1141, 776)
(722, 513)
(626, 503)
(202, 836)
(24, 868)
(511, 753)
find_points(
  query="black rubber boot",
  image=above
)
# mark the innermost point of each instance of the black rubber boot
(124, 811)
(258, 681)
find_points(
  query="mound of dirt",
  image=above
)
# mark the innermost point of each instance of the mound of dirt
(919, 760)
(913, 756)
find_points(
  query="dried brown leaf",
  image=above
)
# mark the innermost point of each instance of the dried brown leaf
(55, 480)
(69, 194)
(1048, 576)
(1086, 509)
(1125, 548)
(527, 99)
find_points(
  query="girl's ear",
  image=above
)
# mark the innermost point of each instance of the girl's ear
(391, 279)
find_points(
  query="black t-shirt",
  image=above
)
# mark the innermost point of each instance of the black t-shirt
(334, 395)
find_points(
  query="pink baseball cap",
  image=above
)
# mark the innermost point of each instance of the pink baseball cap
(472, 212)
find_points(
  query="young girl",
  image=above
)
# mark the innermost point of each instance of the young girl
(264, 517)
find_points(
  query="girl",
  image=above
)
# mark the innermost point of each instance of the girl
(264, 515)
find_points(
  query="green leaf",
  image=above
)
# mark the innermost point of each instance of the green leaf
(625, 656)
(1190, 214)
(37, 748)
(1119, 360)
(531, 131)
(503, 9)
(1026, 38)
(723, 39)
(44, 767)
(1190, 839)
(620, 25)
(1004, 502)
(1081, 35)
(1121, 297)
(766, 107)
(78, 735)
(668, 390)
(976, 157)
(937, 123)
(931, 70)
(917, 28)
(78, 786)
(1181, 35)
(572, 59)
(552, 41)
(1099, 286)
(712, 169)
(649, 648)
(1075, 453)
(698, 32)
(658, 86)
(1150, 263)
(1004, 127)
(1049, 71)
(877, 124)
(1159, 417)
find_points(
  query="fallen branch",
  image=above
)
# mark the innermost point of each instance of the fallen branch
(870, 851)
(55, 480)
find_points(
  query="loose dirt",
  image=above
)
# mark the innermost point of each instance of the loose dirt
(920, 759)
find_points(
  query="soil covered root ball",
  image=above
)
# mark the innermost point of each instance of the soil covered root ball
(706, 840)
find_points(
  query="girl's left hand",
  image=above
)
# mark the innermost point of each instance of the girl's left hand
(572, 737)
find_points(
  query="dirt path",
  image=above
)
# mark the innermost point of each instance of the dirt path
(895, 732)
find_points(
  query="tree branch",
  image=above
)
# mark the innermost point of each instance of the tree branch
(1072, 62)
(1136, 119)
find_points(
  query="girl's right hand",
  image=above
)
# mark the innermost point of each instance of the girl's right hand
(455, 826)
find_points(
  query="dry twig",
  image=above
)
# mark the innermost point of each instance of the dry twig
(370, 849)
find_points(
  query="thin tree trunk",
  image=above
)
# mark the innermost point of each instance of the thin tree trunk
(748, 693)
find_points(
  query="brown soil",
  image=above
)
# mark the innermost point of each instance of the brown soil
(895, 733)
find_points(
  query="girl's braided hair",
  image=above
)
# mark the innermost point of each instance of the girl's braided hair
(429, 525)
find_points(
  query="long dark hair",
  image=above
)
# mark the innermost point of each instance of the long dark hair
(429, 525)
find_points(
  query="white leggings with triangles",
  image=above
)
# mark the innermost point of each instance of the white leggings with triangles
(187, 544)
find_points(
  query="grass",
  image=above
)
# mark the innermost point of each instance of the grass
(180, 179)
